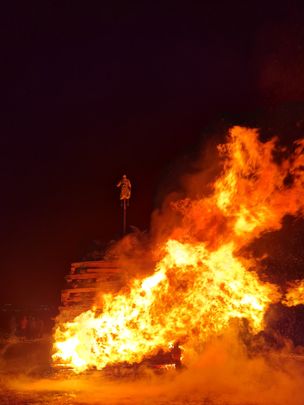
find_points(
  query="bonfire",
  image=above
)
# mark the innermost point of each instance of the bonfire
(202, 280)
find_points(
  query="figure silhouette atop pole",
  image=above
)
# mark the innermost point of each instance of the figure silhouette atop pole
(125, 194)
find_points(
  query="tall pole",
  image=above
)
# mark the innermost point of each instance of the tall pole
(124, 217)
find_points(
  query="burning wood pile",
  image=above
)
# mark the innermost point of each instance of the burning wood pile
(203, 279)
(88, 279)
(83, 282)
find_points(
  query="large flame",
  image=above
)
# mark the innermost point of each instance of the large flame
(200, 282)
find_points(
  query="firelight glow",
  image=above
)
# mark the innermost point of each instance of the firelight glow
(201, 282)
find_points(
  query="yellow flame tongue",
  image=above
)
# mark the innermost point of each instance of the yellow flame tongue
(199, 284)
(192, 294)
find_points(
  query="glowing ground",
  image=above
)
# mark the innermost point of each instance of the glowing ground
(223, 375)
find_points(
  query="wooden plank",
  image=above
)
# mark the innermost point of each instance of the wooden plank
(95, 264)
(84, 268)
(104, 270)
(81, 276)
(79, 290)
(91, 276)
(77, 299)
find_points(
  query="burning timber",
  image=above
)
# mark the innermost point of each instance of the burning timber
(202, 279)
(89, 278)
(83, 282)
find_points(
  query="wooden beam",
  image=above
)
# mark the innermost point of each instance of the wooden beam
(95, 264)
(81, 276)
(105, 270)
(79, 290)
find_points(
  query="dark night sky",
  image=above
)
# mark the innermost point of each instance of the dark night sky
(92, 92)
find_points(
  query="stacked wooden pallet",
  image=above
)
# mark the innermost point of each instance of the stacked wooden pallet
(85, 280)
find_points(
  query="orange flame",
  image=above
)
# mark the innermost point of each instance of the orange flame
(295, 294)
(200, 282)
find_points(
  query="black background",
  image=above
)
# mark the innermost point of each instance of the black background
(91, 92)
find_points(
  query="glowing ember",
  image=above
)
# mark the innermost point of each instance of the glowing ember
(200, 282)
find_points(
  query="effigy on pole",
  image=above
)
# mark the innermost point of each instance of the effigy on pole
(125, 194)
